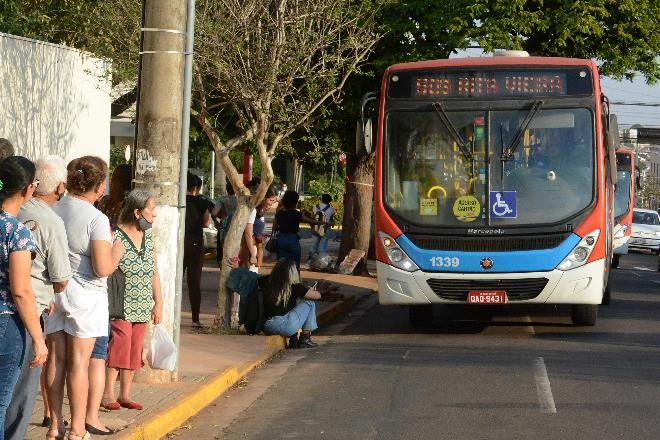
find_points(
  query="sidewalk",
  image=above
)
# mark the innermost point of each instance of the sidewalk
(209, 363)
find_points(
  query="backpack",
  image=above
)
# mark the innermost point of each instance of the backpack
(251, 311)
(319, 230)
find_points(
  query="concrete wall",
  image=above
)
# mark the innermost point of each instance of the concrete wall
(53, 100)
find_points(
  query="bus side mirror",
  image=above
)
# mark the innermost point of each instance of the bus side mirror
(364, 135)
(368, 135)
(638, 180)
(612, 143)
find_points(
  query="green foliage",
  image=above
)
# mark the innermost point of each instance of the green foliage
(324, 185)
(106, 28)
(307, 206)
(116, 157)
(622, 35)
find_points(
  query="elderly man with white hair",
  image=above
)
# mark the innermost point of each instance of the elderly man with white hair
(50, 273)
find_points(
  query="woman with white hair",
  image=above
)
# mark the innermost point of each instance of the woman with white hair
(50, 273)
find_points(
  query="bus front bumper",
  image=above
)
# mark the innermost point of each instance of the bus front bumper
(583, 285)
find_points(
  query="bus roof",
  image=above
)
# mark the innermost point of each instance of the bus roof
(493, 61)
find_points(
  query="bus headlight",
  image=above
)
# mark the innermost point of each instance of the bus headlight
(395, 254)
(580, 253)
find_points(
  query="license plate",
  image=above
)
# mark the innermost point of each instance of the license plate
(487, 297)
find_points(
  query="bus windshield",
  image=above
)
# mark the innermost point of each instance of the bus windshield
(429, 181)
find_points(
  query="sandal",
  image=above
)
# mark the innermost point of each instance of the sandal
(74, 436)
(129, 404)
(111, 406)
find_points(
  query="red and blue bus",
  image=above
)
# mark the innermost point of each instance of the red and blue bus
(494, 184)
(624, 201)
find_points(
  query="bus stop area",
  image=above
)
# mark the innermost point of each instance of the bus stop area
(209, 363)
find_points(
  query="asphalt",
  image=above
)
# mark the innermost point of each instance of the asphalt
(477, 373)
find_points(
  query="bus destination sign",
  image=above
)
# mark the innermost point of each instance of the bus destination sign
(509, 84)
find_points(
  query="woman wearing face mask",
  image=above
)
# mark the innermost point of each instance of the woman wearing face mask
(143, 301)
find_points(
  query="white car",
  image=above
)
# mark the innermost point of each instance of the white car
(645, 230)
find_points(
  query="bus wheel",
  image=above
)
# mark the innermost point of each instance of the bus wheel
(584, 314)
(420, 315)
(615, 261)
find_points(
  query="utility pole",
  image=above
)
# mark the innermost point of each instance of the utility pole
(158, 156)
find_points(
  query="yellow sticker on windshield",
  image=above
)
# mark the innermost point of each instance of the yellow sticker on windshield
(428, 206)
(467, 208)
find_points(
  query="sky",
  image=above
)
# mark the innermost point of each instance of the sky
(633, 92)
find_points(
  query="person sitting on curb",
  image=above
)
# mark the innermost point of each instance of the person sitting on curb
(289, 305)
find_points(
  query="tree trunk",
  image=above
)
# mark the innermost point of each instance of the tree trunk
(226, 303)
(358, 205)
(220, 179)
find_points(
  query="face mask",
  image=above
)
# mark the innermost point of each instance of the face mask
(144, 224)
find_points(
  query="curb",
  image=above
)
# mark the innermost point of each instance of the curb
(190, 404)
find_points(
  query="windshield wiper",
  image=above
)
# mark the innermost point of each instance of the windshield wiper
(507, 154)
(452, 130)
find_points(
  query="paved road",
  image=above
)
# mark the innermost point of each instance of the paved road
(490, 374)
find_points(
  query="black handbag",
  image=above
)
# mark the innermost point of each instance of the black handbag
(116, 293)
(271, 244)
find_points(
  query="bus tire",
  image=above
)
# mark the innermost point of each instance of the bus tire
(420, 315)
(584, 314)
(615, 261)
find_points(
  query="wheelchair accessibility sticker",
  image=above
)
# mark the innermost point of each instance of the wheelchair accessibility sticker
(503, 204)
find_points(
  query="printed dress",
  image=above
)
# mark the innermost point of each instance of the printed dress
(14, 236)
(139, 268)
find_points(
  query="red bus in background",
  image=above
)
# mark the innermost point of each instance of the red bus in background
(494, 184)
(624, 202)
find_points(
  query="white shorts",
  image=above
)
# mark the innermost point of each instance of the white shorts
(80, 312)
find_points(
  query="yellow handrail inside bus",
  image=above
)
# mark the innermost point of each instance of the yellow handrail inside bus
(436, 188)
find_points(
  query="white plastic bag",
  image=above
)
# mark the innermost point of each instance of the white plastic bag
(162, 351)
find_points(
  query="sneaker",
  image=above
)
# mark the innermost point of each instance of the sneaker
(196, 324)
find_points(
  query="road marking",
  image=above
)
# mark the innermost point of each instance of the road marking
(543, 390)
(646, 269)
(405, 356)
(530, 327)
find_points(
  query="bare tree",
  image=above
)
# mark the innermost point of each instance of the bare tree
(270, 66)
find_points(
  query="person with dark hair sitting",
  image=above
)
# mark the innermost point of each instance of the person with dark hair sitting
(289, 305)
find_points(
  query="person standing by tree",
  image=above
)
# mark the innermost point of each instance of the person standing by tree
(324, 212)
(198, 217)
(50, 273)
(252, 244)
(287, 225)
